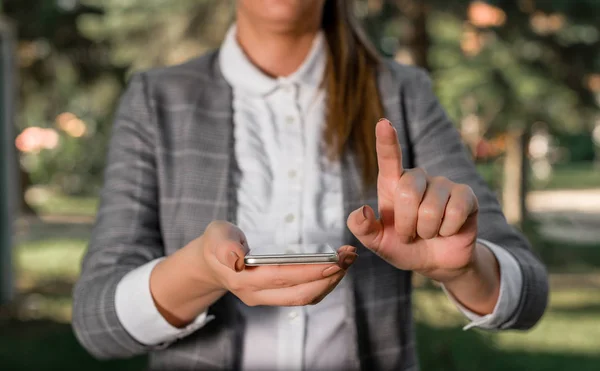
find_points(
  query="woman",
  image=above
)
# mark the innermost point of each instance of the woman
(275, 139)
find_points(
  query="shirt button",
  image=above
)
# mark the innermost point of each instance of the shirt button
(292, 174)
(289, 218)
(293, 315)
(290, 119)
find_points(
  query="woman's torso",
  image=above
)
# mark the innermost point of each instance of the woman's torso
(196, 167)
(289, 193)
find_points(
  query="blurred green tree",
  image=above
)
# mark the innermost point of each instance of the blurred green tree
(145, 34)
(501, 67)
(60, 70)
(74, 58)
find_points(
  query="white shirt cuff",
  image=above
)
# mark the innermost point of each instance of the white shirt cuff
(138, 314)
(511, 284)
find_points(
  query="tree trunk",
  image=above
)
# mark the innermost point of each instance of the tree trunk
(417, 11)
(514, 190)
(24, 183)
(7, 155)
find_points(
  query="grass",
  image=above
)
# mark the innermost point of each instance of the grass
(575, 176)
(46, 271)
(580, 258)
(564, 176)
(568, 336)
(50, 259)
(45, 201)
(44, 345)
(37, 335)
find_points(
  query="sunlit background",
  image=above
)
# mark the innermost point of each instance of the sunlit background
(520, 78)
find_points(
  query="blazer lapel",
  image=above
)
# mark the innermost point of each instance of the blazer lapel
(362, 275)
(215, 136)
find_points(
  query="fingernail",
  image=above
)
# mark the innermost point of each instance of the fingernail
(239, 265)
(381, 119)
(331, 270)
(232, 260)
(364, 211)
(351, 249)
(348, 260)
(346, 249)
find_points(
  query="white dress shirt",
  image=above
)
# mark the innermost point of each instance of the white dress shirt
(288, 193)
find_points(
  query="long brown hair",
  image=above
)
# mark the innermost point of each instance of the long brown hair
(354, 103)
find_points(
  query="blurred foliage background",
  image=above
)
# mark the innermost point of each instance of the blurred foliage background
(520, 78)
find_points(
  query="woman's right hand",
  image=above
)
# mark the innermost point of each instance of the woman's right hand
(189, 281)
(223, 247)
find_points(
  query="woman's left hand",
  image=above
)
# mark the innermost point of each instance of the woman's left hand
(427, 224)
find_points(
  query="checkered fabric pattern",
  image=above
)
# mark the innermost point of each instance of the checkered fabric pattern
(168, 175)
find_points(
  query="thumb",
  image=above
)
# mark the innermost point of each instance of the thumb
(367, 229)
(228, 244)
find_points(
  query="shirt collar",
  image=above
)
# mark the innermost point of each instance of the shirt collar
(240, 72)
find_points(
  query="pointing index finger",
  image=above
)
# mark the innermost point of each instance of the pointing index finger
(389, 154)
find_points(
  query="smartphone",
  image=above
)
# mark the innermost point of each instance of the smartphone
(291, 254)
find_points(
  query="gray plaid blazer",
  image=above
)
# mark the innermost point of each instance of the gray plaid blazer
(169, 175)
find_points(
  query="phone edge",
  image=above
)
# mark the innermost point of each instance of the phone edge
(256, 260)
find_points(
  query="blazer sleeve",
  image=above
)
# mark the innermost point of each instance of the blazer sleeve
(438, 148)
(126, 234)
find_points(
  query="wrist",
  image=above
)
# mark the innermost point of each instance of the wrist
(471, 269)
(478, 286)
(196, 269)
(182, 287)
